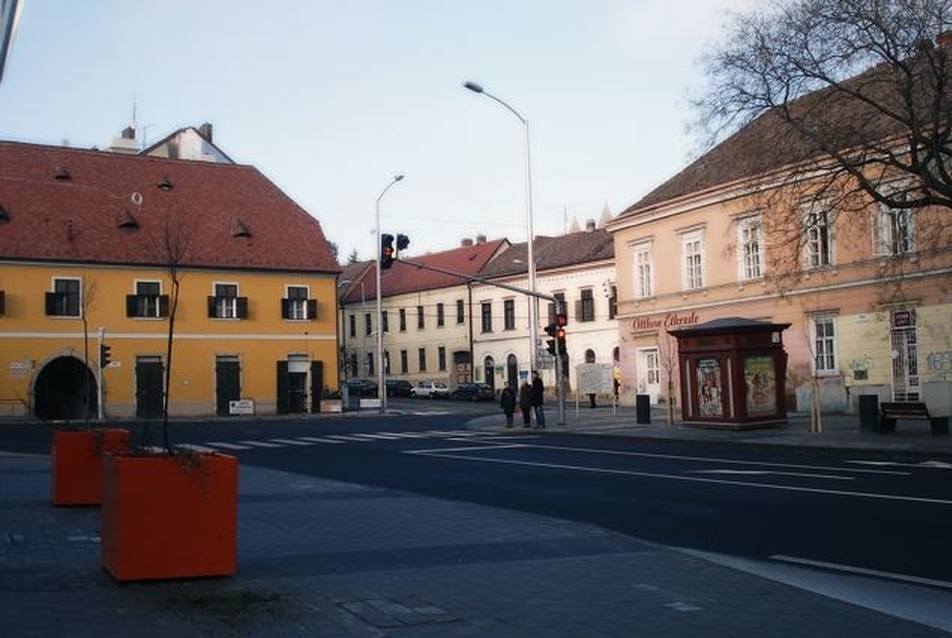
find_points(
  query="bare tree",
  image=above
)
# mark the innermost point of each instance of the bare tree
(843, 103)
(88, 303)
(668, 359)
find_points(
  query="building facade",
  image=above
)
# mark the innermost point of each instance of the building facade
(104, 248)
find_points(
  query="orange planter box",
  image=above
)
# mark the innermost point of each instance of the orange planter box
(76, 474)
(169, 516)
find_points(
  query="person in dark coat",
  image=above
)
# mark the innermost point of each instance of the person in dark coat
(525, 402)
(507, 401)
(538, 393)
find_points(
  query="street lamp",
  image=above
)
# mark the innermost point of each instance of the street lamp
(381, 387)
(532, 299)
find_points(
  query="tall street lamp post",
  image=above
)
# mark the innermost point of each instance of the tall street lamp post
(533, 301)
(381, 387)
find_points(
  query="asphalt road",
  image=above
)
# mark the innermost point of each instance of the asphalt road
(815, 510)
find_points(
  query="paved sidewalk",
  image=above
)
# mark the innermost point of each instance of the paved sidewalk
(320, 558)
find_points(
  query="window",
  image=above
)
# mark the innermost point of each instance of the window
(368, 325)
(486, 313)
(64, 301)
(439, 315)
(460, 312)
(226, 304)
(585, 307)
(509, 314)
(819, 253)
(441, 354)
(749, 248)
(644, 269)
(692, 253)
(147, 302)
(825, 343)
(353, 326)
(369, 363)
(403, 320)
(422, 356)
(297, 305)
(420, 321)
(404, 366)
(613, 302)
(385, 322)
(893, 232)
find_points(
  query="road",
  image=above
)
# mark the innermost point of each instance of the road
(892, 520)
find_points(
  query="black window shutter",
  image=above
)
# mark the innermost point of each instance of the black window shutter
(317, 385)
(3, 302)
(241, 304)
(312, 308)
(51, 303)
(163, 305)
(131, 305)
(285, 308)
(211, 307)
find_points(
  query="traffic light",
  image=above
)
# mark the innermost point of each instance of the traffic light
(104, 352)
(402, 242)
(561, 320)
(560, 341)
(386, 251)
(550, 346)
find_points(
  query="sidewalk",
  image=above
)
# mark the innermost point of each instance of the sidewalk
(319, 558)
(840, 432)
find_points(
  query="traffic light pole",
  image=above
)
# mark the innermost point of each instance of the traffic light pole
(559, 383)
(100, 411)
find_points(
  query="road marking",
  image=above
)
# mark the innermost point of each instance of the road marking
(776, 473)
(468, 448)
(862, 571)
(681, 477)
(228, 446)
(260, 444)
(291, 442)
(317, 439)
(940, 465)
(344, 437)
(197, 448)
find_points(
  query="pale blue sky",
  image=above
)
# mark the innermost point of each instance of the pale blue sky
(331, 99)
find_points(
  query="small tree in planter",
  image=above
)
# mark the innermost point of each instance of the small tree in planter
(171, 512)
(76, 453)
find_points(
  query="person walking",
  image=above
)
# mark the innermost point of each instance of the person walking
(538, 392)
(507, 401)
(525, 403)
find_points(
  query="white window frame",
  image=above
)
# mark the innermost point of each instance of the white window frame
(824, 336)
(818, 242)
(147, 304)
(894, 231)
(642, 262)
(297, 308)
(66, 296)
(750, 254)
(692, 260)
(226, 307)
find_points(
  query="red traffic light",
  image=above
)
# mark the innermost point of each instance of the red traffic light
(561, 319)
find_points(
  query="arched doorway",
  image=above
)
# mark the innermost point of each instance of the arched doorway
(589, 356)
(512, 370)
(489, 372)
(65, 389)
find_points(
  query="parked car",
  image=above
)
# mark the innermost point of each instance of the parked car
(358, 387)
(430, 390)
(399, 388)
(474, 392)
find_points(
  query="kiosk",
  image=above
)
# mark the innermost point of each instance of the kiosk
(733, 373)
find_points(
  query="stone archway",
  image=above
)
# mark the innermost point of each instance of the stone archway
(65, 389)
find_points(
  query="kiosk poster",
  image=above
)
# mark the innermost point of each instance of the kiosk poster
(709, 402)
(761, 385)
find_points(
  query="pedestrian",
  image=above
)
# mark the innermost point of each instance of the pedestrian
(538, 392)
(525, 402)
(507, 401)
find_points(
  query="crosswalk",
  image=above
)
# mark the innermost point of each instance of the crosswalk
(335, 439)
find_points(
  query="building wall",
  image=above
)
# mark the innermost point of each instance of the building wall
(30, 340)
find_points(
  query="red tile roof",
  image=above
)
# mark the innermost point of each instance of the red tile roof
(110, 210)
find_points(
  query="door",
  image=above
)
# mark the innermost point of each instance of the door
(227, 383)
(317, 385)
(904, 353)
(149, 371)
(648, 370)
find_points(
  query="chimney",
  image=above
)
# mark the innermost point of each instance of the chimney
(205, 130)
(466, 242)
(128, 133)
(480, 239)
(589, 225)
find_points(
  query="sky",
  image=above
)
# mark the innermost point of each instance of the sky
(330, 99)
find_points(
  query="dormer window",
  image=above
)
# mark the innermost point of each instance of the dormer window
(126, 221)
(238, 228)
(4, 215)
(61, 174)
(165, 185)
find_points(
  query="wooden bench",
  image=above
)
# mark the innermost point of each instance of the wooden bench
(889, 413)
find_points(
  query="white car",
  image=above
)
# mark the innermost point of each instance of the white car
(430, 390)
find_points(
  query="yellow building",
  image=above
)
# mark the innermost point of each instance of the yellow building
(102, 249)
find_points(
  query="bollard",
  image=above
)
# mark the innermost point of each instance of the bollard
(642, 409)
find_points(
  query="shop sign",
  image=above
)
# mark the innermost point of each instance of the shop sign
(669, 321)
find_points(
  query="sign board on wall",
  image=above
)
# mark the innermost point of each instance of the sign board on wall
(241, 406)
(594, 377)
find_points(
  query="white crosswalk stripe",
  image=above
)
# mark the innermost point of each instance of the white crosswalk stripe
(317, 439)
(291, 442)
(228, 446)
(260, 444)
(352, 437)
